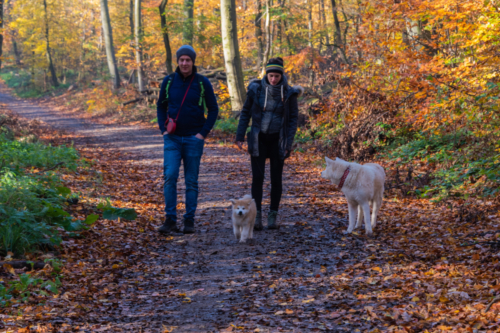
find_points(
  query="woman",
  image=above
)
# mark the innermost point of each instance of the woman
(272, 105)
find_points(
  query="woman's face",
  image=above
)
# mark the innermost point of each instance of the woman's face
(274, 78)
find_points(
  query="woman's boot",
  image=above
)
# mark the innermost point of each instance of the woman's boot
(258, 221)
(271, 219)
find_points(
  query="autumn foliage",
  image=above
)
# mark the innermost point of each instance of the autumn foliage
(411, 84)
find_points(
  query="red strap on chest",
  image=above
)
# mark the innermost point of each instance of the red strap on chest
(179, 112)
(344, 176)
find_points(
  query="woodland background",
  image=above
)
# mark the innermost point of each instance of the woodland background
(410, 84)
(416, 80)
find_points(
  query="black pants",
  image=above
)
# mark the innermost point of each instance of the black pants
(268, 148)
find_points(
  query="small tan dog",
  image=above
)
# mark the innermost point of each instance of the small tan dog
(362, 185)
(244, 212)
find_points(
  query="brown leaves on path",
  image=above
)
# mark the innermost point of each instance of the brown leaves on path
(415, 275)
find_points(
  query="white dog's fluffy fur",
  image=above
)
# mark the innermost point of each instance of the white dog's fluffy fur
(244, 213)
(363, 187)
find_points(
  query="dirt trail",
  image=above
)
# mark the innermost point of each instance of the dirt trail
(207, 282)
(415, 275)
(138, 142)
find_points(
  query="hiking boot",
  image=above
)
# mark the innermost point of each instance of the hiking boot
(168, 226)
(271, 219)
(258, 221)
(188, 226)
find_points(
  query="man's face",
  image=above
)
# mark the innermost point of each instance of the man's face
(274, 78)
(185, 65)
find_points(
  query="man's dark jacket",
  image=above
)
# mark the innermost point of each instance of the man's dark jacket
(191, 120)
(252, 109)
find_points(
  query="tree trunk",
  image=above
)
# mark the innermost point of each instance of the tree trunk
(187, 32)
(325, 23)
(338, 32)
(232, 59)
(258, 33)
(309, 24)
(164, 32)
(280, 28)
(288, 41)
(337, 38)
(1, 34)
(138, 40)
(5, 10)
(17, 53)
(265, 58)
(131, 18)
(272, 31)
(271, 40)
(310, 43)
(108, 40)
(53, 75)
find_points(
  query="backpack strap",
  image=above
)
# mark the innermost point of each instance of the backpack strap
(202, 94)
(170, 78)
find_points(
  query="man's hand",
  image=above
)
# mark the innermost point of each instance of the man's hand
(239, 144)
(164, 133)
(199, 136)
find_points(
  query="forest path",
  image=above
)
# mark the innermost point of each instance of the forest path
(205, 282)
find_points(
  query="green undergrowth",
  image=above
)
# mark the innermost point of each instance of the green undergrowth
(32, 197)
(226, 125)
(29, 85)
(28, 285)
(459, 164)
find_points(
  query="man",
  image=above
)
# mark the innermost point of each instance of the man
(194, 93)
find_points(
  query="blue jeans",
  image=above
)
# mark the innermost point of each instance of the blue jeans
(188, 149)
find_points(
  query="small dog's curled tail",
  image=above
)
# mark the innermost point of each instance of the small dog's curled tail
(246, 196)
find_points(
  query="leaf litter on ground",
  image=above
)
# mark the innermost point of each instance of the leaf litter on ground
(427, 269)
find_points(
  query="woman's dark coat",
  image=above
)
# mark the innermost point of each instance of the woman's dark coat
(252, 110)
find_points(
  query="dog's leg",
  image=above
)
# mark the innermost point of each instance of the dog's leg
(366, 212)
(360, 217)
(244, 233)
(251, 225)
(376, 207)
(352, 216)
(237, 233)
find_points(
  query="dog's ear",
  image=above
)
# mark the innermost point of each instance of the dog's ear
(328, 161)
(232, 201)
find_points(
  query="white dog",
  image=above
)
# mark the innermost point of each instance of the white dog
(244, 212)
(363, 186)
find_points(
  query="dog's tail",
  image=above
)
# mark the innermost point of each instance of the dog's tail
(246, 196)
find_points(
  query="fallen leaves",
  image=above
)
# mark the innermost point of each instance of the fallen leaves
(308, 276)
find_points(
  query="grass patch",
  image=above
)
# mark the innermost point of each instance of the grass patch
(462, 164)
(32, 196)
(226, 125)
(27, 85)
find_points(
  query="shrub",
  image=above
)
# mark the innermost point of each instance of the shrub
(459, 161)
(226, 125)
(32, 196)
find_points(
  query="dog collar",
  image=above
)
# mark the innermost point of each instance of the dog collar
(344, 176)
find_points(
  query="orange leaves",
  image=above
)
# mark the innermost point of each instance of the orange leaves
(309, 57)
(418, 55)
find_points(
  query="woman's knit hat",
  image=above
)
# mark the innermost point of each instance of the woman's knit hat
(275, 65)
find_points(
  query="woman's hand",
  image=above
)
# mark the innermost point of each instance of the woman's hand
(199, 136)
(239, 144)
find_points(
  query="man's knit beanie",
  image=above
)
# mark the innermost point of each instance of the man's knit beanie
(186, 50)
(275, 65)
